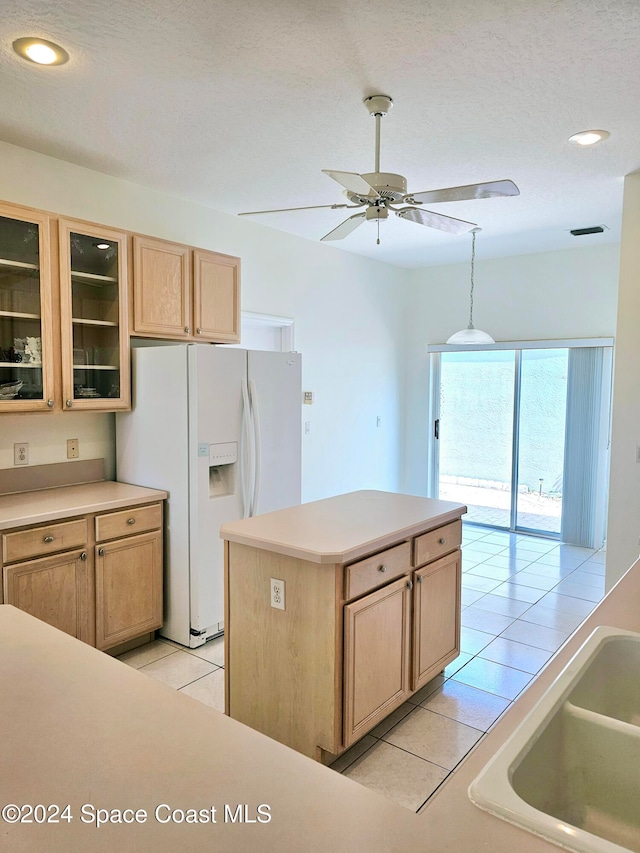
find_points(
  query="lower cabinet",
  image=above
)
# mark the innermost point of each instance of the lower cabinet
(436, 617)
(128, 588)
(54, 589)
(104, 586)
(376, 657)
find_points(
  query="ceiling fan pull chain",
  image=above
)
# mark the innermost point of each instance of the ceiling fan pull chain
(378, 240)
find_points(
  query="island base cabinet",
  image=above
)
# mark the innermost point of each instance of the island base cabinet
(128, 588)
(376, 657)
(436, 617)
(54, 589)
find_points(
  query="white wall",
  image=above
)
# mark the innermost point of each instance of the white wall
(624, 484)
(347, 309)
(567, 294)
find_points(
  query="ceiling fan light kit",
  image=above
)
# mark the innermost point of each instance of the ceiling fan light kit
(381, 192)
(471, 335)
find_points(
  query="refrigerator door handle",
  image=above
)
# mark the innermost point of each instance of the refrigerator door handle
(247, 456)
(256, 435)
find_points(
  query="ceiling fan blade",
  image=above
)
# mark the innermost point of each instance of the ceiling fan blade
(491, 189)
(435, 220)
(353, 182)
(286, 209)
(345, 227)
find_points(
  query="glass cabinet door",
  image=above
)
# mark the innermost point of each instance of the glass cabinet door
(95, 341)
(26, 336)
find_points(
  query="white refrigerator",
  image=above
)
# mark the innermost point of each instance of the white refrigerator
(219, 429)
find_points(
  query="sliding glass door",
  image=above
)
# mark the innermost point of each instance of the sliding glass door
(475, 432)
(500, 436)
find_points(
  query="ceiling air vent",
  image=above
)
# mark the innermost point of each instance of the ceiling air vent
(595, 229)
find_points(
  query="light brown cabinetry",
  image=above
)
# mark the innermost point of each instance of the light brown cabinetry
(94, 317)
(355, 640)
(27, 354)
(184, 293)
(97, 577)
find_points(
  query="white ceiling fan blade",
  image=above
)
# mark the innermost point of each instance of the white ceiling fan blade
(435, 220)
(345, 227)
(490, 189)
(353, 182)
(287, 209)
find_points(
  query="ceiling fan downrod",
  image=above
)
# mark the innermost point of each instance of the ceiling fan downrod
(378, 106)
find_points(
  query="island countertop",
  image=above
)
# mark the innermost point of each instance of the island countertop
(342, 528)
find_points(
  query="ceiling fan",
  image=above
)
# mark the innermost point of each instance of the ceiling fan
(379, 192)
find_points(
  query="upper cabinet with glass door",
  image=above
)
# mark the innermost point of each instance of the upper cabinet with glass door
(95, 342)
(26, 333)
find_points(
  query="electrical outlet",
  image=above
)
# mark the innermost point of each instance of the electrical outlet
(277, 594)
(73, 448)
(21, 453)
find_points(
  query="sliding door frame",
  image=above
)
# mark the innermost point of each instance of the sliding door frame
(434, 353)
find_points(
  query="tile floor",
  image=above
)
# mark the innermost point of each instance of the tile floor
(522, 596)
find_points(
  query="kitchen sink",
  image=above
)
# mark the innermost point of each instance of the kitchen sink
(570, 772)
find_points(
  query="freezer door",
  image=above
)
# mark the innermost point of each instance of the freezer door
(216, 432)
(275, 384)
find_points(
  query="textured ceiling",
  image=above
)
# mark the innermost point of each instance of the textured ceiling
(239, 105)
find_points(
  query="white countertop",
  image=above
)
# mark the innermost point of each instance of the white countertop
(342, 528)
(80, 727)
(35, 507)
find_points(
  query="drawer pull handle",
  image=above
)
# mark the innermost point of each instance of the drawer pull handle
(101, 552)
(131, 521)
(48, 539)
(83, 556)
(442, 541)
(382, 568)
(409, 585)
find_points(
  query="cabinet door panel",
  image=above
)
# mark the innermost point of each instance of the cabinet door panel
(216, 296)
(436, 618)
(94, 317)
(26, 318)
(128, 588)
(54, 589)
(162, 288)
(376, 662)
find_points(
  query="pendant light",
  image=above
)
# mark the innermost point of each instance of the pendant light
(471, 335)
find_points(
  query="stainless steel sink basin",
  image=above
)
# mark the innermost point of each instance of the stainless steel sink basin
(570, 772)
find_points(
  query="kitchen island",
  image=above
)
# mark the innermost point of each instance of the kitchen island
(336, 612)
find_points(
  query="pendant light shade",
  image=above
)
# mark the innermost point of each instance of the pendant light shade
(471, 335)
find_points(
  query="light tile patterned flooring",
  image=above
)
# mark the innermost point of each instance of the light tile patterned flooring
(522, 596)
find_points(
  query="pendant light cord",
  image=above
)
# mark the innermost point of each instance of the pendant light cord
(473, 261)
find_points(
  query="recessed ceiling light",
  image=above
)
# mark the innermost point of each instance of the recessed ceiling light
(103, 245)
(589, 137)
(41, 51)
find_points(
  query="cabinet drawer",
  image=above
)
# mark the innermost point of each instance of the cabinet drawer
(437, 542)
(40, 541)
(138, 519)
(367, 574)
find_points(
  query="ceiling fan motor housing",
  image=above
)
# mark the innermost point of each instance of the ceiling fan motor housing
(389, 186)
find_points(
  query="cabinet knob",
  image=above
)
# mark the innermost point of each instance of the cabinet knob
(131, 521)
(101, 552)
(382, 568)
(83, 556)
(198, 331)
(419, 579)
(69, 404)
(409, 585)
(50, 404)
(442, 541)
(187, 330)
(48, 539)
